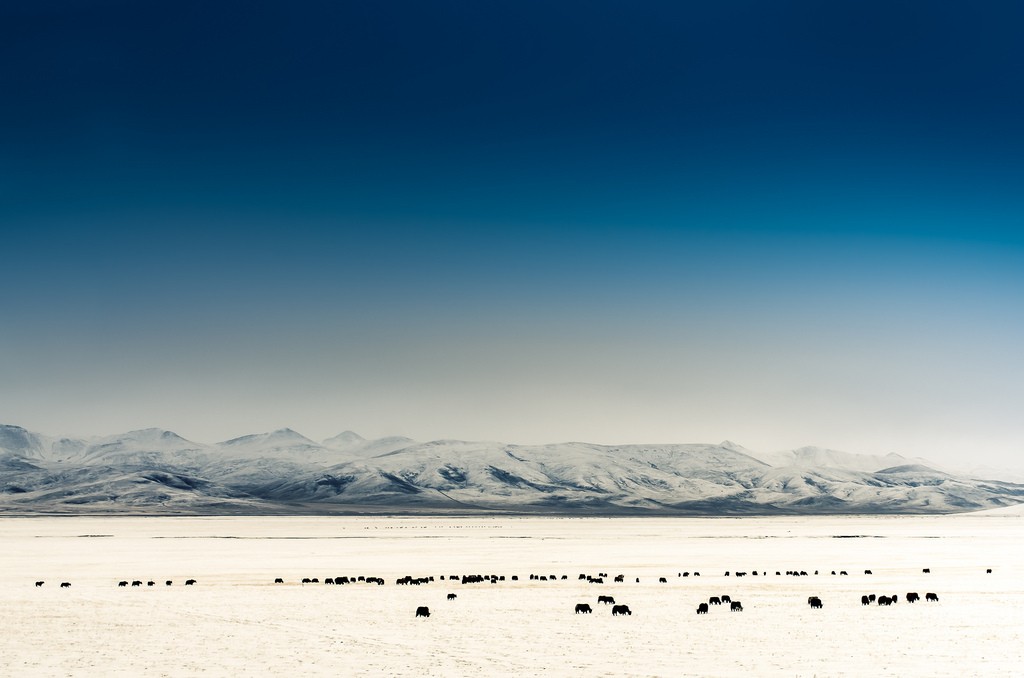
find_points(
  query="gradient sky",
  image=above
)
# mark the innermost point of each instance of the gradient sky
(783, 224)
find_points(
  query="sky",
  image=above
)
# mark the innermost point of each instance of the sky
(782, 224)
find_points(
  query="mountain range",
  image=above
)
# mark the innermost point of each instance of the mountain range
(159, 472)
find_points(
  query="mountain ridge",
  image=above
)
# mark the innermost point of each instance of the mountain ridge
(282, 471)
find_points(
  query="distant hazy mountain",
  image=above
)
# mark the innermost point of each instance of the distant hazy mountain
(283, 471)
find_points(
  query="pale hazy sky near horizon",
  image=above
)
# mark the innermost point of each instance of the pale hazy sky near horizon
(780, 224)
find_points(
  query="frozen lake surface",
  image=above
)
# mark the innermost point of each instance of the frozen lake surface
(236, 621)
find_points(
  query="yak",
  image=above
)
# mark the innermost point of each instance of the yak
(452, 596)
(735, 606)
(39, 583)
(423, 611)
(583, 608)
(621, 609)
(120, 583)
(864, 600)
(714, 600)
(608, 600)
(702, 608)
(815, 602)
(67, 585)
(929, 597)
(190, 582)
(168, 582)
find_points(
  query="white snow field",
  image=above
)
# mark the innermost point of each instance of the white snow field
(236, 622)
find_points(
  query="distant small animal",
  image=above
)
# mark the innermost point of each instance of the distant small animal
(912, 597)
(894, 598)
(607, 600)
(168, 582)
(306, 580)
(122, 583)
(727, 573)
(842, 573)
(662, 580)
(928, 597)
(67, 585)
(864, 600)
(726, 599)
(833, 572)
(150, 583)
(515, 577)
(815, 602)
(638, 580)
(136, 583)
(583, 608)
(696, 574)
(868, 572)
(39, 583)
(988, 571)
(190, 582)
(619, 579)
(279, 581)
(597, 580)
(452, 596)
(702, 608)
(620, 609)
(735, 606)
(315, 580)
(423, 611)
(872, 597)
(927, 570)
(884, 600)
(329, 580)
(714, 600)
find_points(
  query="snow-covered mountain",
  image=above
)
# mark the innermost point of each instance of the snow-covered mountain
(284, 471)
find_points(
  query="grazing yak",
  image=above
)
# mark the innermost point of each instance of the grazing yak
(735, 606)
(618, 579)
(190, 582)
(452, 596)
(583, 608)
(815, 602)
(864, 600)
(868, 572)
(136, 583)
(279, 581)
(884, 600)
(306, 580)
(67, 585)
(621, 609)
(702, 608)
(607, 600)
(726, 599)
(927, 570)
(168, 582)
(39, 583)
(714, 600)
(928, 597)
(912, 597)
(150, 583)
(329, 580)
(122, 583)
(422, 611)
(662, 580)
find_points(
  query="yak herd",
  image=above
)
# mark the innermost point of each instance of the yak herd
(581, 608)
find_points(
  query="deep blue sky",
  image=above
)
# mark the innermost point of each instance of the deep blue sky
(782, 223)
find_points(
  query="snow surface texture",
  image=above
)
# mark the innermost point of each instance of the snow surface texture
(157, 471)
(236, 621)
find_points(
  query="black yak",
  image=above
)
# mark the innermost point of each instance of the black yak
(735, 606)
(423, 611)
(583, 608)
(702, 608)
(621, 609)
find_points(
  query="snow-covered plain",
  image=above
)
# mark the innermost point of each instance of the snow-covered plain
(236, 621)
